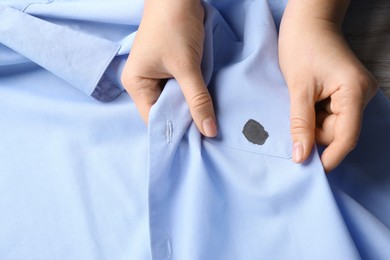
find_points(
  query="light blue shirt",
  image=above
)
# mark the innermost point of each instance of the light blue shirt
(84, 179)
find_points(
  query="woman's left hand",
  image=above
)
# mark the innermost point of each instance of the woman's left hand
(329, 88)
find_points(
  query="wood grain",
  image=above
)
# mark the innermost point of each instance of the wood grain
(367, 30)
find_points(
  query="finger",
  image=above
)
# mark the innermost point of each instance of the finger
(302, 124)
(346, 134)
(324, 134)
(199, 100)
(334, 154)
(144, 93)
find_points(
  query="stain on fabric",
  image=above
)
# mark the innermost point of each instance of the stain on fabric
(255, 132)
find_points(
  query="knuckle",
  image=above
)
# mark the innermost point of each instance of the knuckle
(300, 126)
(200, 102)
(373, 86)
(359, 87)
(129, 81)
(125, 80)
(367, 83)
(362, 78)
(349, 144)
(128, 78)
(140, 87)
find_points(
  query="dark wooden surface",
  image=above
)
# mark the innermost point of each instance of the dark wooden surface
(367, 29)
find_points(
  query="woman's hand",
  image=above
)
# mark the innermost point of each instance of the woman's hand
(169, 44)
(329, 87)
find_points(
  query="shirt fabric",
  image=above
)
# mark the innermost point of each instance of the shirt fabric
(84, 179)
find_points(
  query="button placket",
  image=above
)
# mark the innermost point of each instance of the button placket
(166, 127)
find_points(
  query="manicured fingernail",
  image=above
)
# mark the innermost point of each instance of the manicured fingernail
(209, 127)
(297, 152)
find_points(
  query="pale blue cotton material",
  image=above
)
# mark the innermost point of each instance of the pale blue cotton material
(84, 179)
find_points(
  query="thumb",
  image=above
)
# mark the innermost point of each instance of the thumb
(302, 124)
(199, 100)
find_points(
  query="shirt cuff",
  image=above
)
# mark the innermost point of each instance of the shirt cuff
(76, 57)
(106, 90)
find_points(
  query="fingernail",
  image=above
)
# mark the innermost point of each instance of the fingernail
(297, 152)
(209, 127)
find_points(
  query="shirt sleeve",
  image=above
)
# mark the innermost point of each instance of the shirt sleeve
(76, 57)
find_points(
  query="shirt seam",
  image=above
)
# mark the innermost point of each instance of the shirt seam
(275, 155)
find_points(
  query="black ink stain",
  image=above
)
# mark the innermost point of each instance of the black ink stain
(255, 132)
